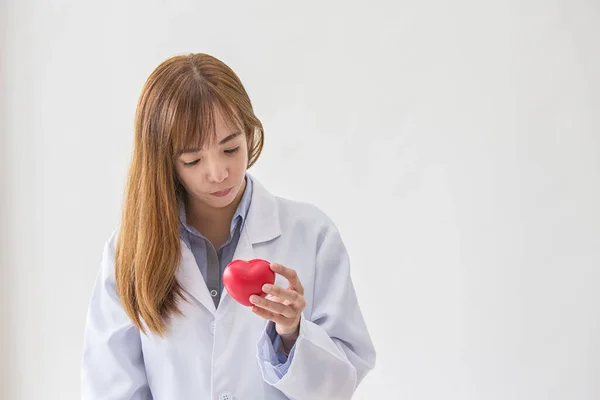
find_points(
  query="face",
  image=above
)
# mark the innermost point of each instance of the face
(214, 177)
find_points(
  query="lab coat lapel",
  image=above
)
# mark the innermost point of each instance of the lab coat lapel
(243, 251)
(262, 224)
(191, 280)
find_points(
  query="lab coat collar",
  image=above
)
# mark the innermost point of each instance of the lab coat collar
(262, 222)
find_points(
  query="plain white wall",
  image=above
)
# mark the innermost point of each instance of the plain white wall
(4, 298)
(456, 144)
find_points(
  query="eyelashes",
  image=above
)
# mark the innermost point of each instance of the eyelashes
(232, 151)
(228, 152)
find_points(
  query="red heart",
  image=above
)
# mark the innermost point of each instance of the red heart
(242, 279)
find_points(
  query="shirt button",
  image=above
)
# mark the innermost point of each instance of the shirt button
(214, 293)
(211, 327)
(225, 396)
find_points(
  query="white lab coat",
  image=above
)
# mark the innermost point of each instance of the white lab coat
(214, 353)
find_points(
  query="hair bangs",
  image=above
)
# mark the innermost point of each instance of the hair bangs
(193, 123)
(193, 126)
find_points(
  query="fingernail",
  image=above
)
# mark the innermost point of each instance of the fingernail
(253, 299)
(266, 287)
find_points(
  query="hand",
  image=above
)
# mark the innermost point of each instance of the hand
(282, 306)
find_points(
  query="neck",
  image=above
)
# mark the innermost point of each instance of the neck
(200, 215)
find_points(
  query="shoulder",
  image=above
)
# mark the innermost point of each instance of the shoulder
(294, 214)
(306, 226)
(110, 243)
(300, 219)
(109, 250)
(302, 210)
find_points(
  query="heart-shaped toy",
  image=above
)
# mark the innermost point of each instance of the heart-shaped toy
(242, 279)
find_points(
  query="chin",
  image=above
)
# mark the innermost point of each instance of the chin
(222, 203)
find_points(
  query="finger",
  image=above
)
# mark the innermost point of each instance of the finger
(269, 315)
(297, 304)
(280, 292)
(278, 300)
(275, 298)
(287, 311)
(278, 308)
(290, 275)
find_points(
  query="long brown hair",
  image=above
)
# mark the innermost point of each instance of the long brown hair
(175, 112)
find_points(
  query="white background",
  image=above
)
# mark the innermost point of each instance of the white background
(456, 144)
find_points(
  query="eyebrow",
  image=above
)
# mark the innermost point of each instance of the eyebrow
(227, 139)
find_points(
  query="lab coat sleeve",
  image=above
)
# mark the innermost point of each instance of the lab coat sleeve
(334, 351)
(112, 363)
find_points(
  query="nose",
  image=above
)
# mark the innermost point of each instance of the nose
(216, 171)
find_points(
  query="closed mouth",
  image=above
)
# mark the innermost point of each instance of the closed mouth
(222, 192)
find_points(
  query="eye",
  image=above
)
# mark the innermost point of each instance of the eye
(232, 151)
(191, 163)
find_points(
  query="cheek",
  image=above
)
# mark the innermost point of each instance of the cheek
(244, 159)
(241, 168)
(183, 176)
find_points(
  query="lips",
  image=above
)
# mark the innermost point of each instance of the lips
(222, 192)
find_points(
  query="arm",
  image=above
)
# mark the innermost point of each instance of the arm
(333, 352)
(112, 363)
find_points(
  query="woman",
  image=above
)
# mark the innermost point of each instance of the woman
(160, 324)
